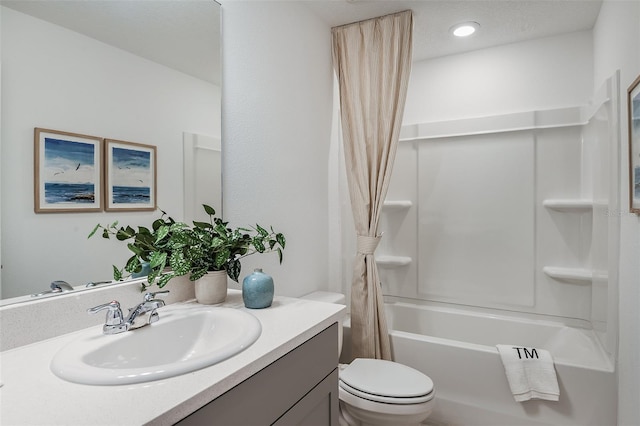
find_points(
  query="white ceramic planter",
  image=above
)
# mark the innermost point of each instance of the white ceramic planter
(212, 288)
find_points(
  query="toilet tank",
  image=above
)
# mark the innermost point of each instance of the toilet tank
(330, 297)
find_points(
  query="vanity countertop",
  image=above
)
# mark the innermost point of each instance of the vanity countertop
(32, 395)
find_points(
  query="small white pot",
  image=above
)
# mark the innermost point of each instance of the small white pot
(212, 288)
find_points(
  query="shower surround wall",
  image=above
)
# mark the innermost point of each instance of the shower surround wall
(522, 125)
(506, 212)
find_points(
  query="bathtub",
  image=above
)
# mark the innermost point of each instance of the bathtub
(456, 348)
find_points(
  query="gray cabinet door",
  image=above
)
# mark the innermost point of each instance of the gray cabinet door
(300, 388)
(317, 408)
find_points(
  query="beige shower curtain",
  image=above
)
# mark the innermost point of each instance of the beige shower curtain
(372, 60)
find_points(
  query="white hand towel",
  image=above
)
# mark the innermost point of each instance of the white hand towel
(530, 372)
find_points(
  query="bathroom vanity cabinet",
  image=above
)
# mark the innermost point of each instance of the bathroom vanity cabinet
(300, 388)
(287, 377)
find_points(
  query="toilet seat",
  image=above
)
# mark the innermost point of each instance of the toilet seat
(386, 382)
(385, 399)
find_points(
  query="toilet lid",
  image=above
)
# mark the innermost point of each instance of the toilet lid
(386, 399)
(385, 379)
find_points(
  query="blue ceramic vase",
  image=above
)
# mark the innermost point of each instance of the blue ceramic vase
(146, 269)
(257, 290)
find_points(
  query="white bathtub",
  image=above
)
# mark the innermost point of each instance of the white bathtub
(456, 348)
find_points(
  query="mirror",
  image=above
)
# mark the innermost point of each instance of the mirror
(145, 72)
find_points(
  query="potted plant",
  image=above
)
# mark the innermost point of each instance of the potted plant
(203, 250)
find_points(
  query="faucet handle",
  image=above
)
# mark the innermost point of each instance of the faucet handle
(150, 296)
(114, 315)
(60, 286)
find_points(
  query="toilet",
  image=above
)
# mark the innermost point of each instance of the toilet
(379, 392)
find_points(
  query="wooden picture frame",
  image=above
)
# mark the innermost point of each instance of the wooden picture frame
(130, 176)
(633, 108)
(67, 172)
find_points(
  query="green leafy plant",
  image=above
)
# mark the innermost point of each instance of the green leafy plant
(193, 250)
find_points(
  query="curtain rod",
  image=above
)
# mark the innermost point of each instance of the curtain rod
(371, 19)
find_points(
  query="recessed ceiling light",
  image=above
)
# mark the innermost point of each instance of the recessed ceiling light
(464, 29)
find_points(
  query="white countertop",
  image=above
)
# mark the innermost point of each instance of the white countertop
(32, 395)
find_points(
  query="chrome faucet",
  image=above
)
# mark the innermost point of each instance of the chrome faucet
(114, 322)
(139, 316)
(56, 287)
(145, 313)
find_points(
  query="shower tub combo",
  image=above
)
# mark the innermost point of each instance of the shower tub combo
(455, 347)
(492, 237)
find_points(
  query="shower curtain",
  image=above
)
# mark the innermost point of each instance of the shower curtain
(372, 61)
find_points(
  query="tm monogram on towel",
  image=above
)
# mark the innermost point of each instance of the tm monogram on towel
(527, 353)
(530, 373)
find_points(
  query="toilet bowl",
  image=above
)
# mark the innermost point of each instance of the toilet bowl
(379, 392)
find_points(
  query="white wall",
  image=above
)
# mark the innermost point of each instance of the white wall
(58, 79)
(539, 74)
(277, 102)
(617, 46)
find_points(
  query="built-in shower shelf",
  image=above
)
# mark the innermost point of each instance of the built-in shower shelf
(393, 261)
(398, 204)
(571, 274)
(568, 204)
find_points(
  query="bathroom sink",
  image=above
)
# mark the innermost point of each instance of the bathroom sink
(184, 339)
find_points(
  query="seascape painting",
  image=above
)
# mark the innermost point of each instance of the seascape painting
(68, 172)
(131, 176)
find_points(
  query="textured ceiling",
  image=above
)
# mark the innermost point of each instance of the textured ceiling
(184, 34)
(501, 21)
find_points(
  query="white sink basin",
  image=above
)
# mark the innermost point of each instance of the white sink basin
(183, 340)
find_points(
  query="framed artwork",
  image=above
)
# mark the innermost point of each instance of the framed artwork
(633, 106)
(67, 172)
(130, 176)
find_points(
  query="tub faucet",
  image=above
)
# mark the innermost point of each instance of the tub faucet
(139, 316)
(56, 287)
